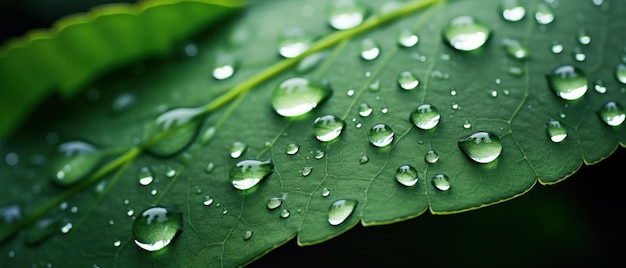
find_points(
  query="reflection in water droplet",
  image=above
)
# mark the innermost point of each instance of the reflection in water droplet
(612, 113)
(406, 175)
(556, 131)
(407, 80)
(181, 121)
(425, 116)
(406, 38)
(482, 146)
(544, 14)
(237, 149)
(248, 173)
(369, 49)
(381, 135)
(441, 182)
(431, 157)
(293, 42)
(340, 210)
(145, 176)
(346, 14)
(465, 33)
(297, 96)
(620, 73)
(328, 127)
(155, 227)
(512, 10)
(515, 49)
(568, 82)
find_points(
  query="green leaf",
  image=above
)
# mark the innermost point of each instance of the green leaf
(473, 91)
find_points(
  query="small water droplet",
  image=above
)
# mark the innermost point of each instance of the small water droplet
(493, 93)
(467, 124)
(117, 243)
(612, 113)
(515, 71)
(275, 202)
(512, 10)
(209, 168)
(74, 161)
(620, 73)
(452, 92)
(482, 146)
(465, 33)
(431, 157)
(384, 110)
(225, 211)
(381, 135)
(374, 86)
(298, 96)
(556, 131)
(325, 192)
(170, 172)
(294, 41)
(237, 149)
(425, 116)
(579, 55)
(369, 49)
(441, 182)
(328, 127)
(66, 228)
(145, 176)
(583, 37)
(340, 210)
(556, 47)
(406, 38)
(208, 135)
(319, 154)
(248, 173)
(306, 171)
(123, 102)
(207, 200)
(406, 175)
(568, 82)
(284, 214)
(515, 49)
(544, 14)
(130, 212)
(155, 227)
(455, 106)
(247, 235)
(224, 66)
(600, 87)
(407, 80)
(181, 121)
(364, 159)
(292, 148)
(346, 14)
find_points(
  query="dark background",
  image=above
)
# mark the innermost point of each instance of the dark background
(575, 223)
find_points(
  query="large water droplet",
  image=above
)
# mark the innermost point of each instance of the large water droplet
(407, 80)
(145, 176)
(293, 42)
(381, 135)
(620, 73)
(515, 49)
(297, 96)
(328, 127)
(406, 38)
(556, 131)
(155, 227)
(612, 113)
(465, 33)
(237, 149)
(431, 157)
(369, 49)
(183, 124)
(248, 173)
(340, 210)
(224, 66)
(74, 161)
(441, 182)
(512, 10)
(544, 14)
(482, 146)
(346, 14)
(406, 175)
(568, 82)
(425, 116)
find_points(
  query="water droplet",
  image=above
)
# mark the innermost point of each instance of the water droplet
(364, 159)
(374, 86)
(11, 159)
(467, 124)
(431, 157)
(225, 211)
(556, 47)
(346, 14)
(130, 212)
(117, 243)
(425, 116)
(209, 168)
(482, 146)
(568, 82)
(493, 93)
(306, 171)
(583, 37)
(155, 227)
(381, 135)
(319, 154)
(208, 135)
(275, 202)
(41, 230)
(145, 176)
(66, 228)
(183, 124)
(407, 80)
(556, 131)
(455, 106)
(350, 93)
(325, 192)
(515, 71)
(340, 210)
(384, 109)
(247, 235)
(170, 172)
(515, 49)
(328, 127)
(620, 73)
(406, 175)
(294, 41)
(74, 161)
(123, 102)
(190, 50)
(406, 38)
(465, 33)
(207, 200)
(600, 87)
(292, 148)
(237, 149)
(297, 96)
(512, 10)
(612, 113)
(365, 110)
(224, 66)
(579, 55)
(369, 49)
(441, 182)
(284, 214)
(311, 61)
(248, 173)
(544, 14)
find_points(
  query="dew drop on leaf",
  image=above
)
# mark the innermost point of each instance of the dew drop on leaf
(568, 82)
(425, 116)
(406, 38)
(407, 80)
(319, 154)
(620, 73)
(74, 161)
(170, 172)
(306, 171)
(284, 214)
(346, 14)
(294, 41)
(600, 86)
(224, 67)
(406, 175)
(370, 50)
(292, 149)
(340, 210)
(556, 131)
(515, 49)
(544, 14)
(248, 173)
(441, 182)
(381, 135)
(274, 202)
(311, 61)
(465, 33)
(184, 126)
(209, 168)
(247, 235)
(67, 227)
(298, 96)
(364, 159)
(155, 227)
(512, 10)
(431, 157)
(556, 47)
(482, 146)
(123, 102)
(325, 192)
(145, 176)
(583, 37)
(365, 110)
(237, 149)
(117, 243)
(207, 200)
(328, 127)
(612, 113)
